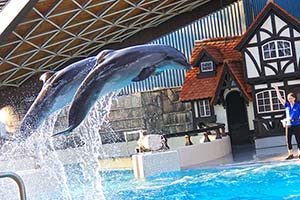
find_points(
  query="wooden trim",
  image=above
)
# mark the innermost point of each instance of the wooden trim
(203, 53)
(221, 88)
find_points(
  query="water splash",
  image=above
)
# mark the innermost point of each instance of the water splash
(52, 173)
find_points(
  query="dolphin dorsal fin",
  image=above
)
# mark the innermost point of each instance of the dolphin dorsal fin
(45, 76)
(100, 56)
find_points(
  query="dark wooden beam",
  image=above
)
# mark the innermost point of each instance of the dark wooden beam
(18, 19)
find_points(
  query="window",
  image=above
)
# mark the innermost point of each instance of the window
(277, 49)
(202, 108)
(267, 101)
(207, 66)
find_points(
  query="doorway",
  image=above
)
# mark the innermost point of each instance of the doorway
(237, 118)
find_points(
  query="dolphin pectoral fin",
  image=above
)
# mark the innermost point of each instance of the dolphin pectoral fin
(65, 132)
(145, 73)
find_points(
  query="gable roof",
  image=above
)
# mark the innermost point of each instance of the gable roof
(271, 7)
(219, 48)
(199, 88)
(210, 51)
(195, 88)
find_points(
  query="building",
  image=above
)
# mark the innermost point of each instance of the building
(216, 88)
(270, 49)
(232, 76)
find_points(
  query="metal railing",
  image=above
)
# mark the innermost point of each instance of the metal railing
(18, 180)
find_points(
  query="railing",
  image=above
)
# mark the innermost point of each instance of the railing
(268, 128)
(215, 127)
(18, 180)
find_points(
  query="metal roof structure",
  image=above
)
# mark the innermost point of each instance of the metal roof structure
(3, 3)
(47, 35)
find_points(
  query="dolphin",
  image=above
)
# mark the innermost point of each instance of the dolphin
(117, 70)
(57, 91)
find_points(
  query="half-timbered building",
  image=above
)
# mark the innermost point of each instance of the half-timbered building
(271, 55)
(232, 77)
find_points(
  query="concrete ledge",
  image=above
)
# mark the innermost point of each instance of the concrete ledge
(204, 152)
(268, 142)
(148, 164)
(272, 146)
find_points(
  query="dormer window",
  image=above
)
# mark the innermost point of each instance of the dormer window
(206, 66)
(277, 49)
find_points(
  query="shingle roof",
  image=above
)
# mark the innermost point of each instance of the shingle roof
(200, 88)
(220, 48)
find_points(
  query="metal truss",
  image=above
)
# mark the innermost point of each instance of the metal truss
(56, 31)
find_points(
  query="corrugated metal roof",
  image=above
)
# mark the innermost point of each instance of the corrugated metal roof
(50, 35)
(253, 8)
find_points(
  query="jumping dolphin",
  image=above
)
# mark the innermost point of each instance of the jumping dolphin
(57, 91)
(119, 69)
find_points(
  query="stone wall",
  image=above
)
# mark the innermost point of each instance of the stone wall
(158, 111)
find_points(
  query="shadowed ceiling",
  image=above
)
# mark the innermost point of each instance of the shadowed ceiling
(53, 33)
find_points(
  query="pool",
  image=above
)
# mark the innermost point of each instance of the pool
(279, 180)
(73, 174)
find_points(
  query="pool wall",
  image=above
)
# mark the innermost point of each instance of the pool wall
(151, 163)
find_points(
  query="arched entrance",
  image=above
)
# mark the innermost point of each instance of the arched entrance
(237, 118)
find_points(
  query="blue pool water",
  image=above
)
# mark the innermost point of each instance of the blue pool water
(279, 180)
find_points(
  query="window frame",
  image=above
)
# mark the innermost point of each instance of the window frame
(276, 49)
(206, 108)
(271, 99)
(207, 62)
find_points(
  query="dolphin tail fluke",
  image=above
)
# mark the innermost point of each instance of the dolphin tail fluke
(65, 132)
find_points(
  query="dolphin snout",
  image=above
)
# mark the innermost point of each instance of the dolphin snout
(184, 63)
(178, 57)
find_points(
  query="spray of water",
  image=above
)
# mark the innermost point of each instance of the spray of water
(51, 172)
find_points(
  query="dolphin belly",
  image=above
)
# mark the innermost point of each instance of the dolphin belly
(56, 93)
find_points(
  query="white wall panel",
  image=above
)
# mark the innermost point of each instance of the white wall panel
(264, 35)
(269, 71)
(285, 33)
(279, 24)
(290, 68)
(268, 24)
(251, 70)
(253, 40)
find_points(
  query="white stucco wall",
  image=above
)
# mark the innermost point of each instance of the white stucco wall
(250, 112)
(221, 115)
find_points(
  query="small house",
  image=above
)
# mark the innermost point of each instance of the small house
(217, 90)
